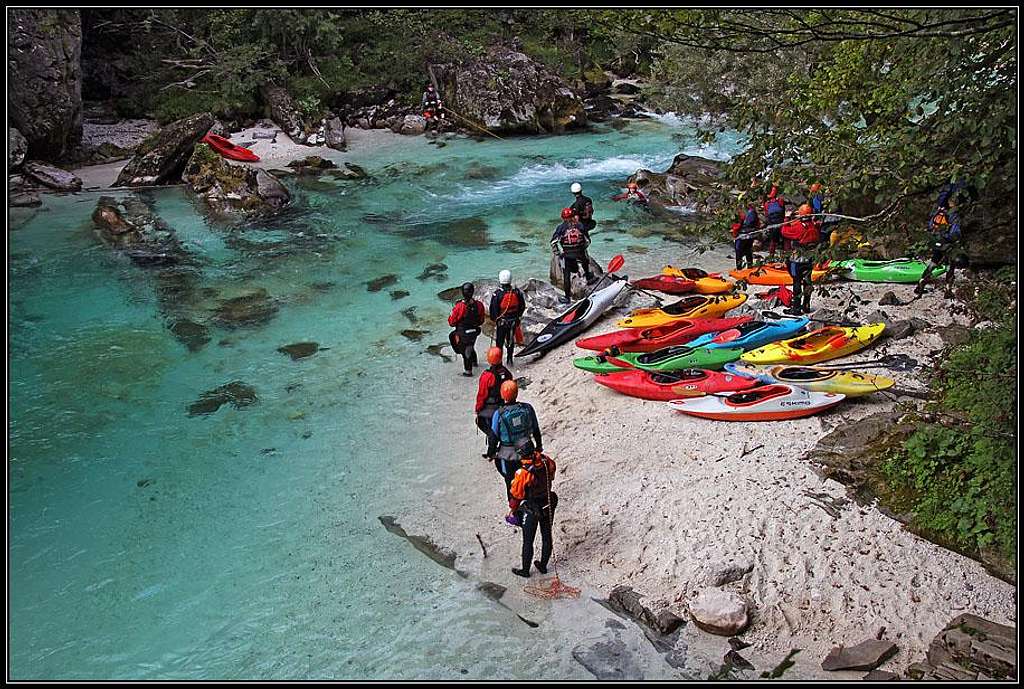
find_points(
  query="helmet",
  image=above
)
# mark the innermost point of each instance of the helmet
(567, 213)
(576, 188)
(631, 185)
(804, 210)
(815, 187)
(467, 290)
(430, 87)
(509, 391)
(504, 278)
(494, 356)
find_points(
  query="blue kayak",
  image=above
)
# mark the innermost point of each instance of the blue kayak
(753, 334)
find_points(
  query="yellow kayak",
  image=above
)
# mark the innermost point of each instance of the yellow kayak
(826, 343)
(695, 306)
(706, 283)
(849, 383)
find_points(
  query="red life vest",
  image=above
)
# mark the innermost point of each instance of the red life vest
(510, 302)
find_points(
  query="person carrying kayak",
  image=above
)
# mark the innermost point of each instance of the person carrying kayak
(532, 503)
(743, 232)
(583, 206)
(488, 400)
(775, 214)
(515, 425)
(507, 307)
(433, 110)
(803, 235)
(632, 193)
(466, 317)
(569, 242)
(944, 225)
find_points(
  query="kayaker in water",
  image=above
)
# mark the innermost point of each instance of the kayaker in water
(433, 109)
(803, 235)
(466, 317)
(632, 193)
(775, 214)
(507, 308)
(583, 207)
(533, 503)
(569, 242)
(488, 400)
(515, 424)
(944, 225)
(743, 232)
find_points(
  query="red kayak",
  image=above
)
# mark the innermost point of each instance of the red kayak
(653, 339)
(670, 284)
(228, 149)
(672, 385)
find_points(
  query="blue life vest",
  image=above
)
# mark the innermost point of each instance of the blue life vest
(775, 209)
(514, 424)
(817, 203)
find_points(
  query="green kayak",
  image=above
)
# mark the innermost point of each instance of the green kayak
(898, 270)
(667, 359)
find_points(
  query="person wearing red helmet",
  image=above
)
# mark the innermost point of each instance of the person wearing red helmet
(515, 425)
(569, 242)
(632, 193)
(488, 399)
(802, 234)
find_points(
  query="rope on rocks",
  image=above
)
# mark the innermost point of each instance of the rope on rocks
(552, 589)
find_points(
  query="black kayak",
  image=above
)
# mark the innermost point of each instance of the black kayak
(575, 319)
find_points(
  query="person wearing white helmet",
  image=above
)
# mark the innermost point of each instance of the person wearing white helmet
(584, 208)
(507, 308)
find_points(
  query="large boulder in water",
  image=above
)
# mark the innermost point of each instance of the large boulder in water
(690, 181)
(231, 188)
(51, 176)
(44, 78)
(579, 286)
(129, 225)
(162, 157)
(507, 91)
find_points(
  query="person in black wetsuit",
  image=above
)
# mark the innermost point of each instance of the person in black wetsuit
(743, 231)
(801, 235)
(569, 242)
(466, 317)
(534, 501)
(488, 399)
(506, 310)
(433, 110)
(583, 206)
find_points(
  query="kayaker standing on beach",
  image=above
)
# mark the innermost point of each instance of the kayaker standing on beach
(743, 232)
(534, 501)
(507, 308)
(488, 400)
(466, 317)
(515, 424)
(945, 228)
(569, 242)
(584, 208)
(803, 235)
(433, 110)
(775, 214)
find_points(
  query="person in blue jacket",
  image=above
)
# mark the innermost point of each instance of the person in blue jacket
(944, 226)
(515, 425)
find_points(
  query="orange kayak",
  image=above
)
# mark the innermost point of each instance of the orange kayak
(773, 274)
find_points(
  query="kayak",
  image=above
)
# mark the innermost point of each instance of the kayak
(575, 319)
(753, 334)
(652, 339)
(694, 306)
(898, 270)
(671, 385)
(668, 359)
(228, 149)
(830, 342)
(705, 283)
(765, 403)
(773, 274)
(670, 284)
(849, 383)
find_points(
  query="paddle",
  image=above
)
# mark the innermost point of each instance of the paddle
(617, 262)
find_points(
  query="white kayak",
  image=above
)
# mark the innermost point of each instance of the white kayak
(576, 318)
(764, 403)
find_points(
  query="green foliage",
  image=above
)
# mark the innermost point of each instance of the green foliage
(960, 470)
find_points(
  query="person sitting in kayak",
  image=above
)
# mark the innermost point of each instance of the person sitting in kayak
(944, 225)
(507, 308)
(433, 110)
(466, 317)
(803, 235)
(743, 231)
(515, 424)
(488, 400)
(570, 241)
(632, 193)
(583, 206)
(775, 214)
(532, 503)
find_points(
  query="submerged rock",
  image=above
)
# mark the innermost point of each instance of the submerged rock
(300, 350)
(235, 393)
(398, 294)
(513, 246)
(129, 225)
(377, 284)
(312, 165)
(193, 335)
(410, 313)
(720, 612)
(414, 335)
(440, 555)
(867, 655)
(51, 176)
(162, 157)
(437, 350)
(609, 659)
(436, 271)
(478, 170)
(253, 308)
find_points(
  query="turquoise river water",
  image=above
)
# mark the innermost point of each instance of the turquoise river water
(148, 543)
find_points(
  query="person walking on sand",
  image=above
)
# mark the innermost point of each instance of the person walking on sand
(507, 308)
(569, 242)
(488, 400)
(466, 317)
(532, 503)
(515, 425)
